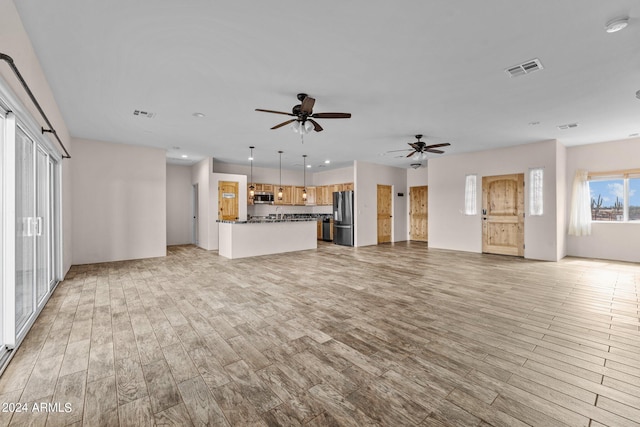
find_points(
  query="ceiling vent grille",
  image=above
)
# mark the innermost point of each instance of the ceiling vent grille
(524, 68)
(141, 113)
(568, 126)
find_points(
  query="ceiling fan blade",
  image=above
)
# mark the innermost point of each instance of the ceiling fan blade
(411, 154)
(429, 150)
(395, 151)
(307, 105)
(445, 144)
(316, 125)
(331, 115)
(284, 123)
(275, 112)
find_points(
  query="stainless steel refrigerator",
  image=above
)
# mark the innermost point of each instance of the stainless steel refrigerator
(343, 219)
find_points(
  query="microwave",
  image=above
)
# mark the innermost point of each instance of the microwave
(262, 197)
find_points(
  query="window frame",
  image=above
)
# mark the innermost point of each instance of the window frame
(625, 176)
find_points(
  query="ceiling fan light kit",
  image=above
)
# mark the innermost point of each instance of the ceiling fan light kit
(617, 24)
(303, 121)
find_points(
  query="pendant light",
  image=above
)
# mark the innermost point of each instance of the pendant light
(252, 189)
(280, 189)
(304, 177)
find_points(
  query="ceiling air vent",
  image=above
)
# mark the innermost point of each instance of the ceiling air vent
(524, 68)
(568, 126)
(141, 113)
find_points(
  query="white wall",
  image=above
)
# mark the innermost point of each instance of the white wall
(119, 203)
(334, 176)
(617, 241)
(15, 42)
(562, 218)
(415, 178)
(179, 205)
(200, 175)
(368, 176)
(450, 228)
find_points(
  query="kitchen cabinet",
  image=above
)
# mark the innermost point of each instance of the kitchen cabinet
(267, 188)
(335, 187)
(287, 195)
(320, 230)
(324, 196)
(249, 199)
(311, 196)
(347, 186)
(298, 200)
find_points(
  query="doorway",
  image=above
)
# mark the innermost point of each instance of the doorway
(418, 213)
(385, 209)
(503, 214)
(228, 200)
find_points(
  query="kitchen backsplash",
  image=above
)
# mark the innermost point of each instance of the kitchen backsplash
(266, 210)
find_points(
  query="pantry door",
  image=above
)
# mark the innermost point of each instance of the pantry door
(228, 200)
(385, 210)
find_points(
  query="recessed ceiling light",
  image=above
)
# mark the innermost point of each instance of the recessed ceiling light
(308, 166)
(617, 24)
(568, 126)
(184, 156)
(199, 115)
(327, 161)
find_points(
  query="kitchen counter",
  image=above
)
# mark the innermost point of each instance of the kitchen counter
(267, 220)
(241, 239)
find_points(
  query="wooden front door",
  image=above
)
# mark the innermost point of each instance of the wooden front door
(384, 213)
(418, 213)
(503, 214)
(228, 200)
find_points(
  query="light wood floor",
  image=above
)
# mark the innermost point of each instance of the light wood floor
(390, 335)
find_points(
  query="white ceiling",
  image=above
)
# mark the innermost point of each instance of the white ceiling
(432, 67)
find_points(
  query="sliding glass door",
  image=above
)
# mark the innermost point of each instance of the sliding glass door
(29, 218)
(25, 229)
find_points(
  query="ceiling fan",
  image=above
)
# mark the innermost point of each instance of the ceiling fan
(303, 115)
(421, 148)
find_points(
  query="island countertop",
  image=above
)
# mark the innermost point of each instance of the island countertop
(241, 239)
(267, 220)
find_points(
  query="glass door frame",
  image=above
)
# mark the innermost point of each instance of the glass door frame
(17, 115)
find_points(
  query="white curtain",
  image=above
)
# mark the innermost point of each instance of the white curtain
(470, 195)
(580, 216)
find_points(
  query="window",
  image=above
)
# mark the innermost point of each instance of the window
(535, 191)
(470, 205)
(615, 198)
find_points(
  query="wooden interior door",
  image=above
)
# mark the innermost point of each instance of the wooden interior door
(228, 200)
(418, 213)
(384, 213)
(503, 214)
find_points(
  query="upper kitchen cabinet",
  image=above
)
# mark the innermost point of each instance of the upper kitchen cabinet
(311, 196)
(287, 195)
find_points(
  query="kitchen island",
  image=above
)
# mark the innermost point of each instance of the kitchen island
(241, 239)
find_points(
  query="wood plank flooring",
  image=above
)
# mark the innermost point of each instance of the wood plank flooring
(393, 335)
